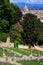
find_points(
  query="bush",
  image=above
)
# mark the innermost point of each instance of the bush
(16, 42)
(11, 39)
(3, 37)
(41, 60)
(14, 33)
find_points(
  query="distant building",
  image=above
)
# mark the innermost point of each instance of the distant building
(26, 9)
(38, 13)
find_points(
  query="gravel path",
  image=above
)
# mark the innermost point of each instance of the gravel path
(38, 48)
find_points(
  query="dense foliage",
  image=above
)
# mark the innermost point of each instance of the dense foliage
(31, 29)
(9, 12)
(4, 24)
(9, 15)
(3, 37)
(14, 34)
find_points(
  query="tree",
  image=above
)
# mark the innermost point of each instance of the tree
(4, 25)
(12, 13)
(37, 29)
(31, 25)
(15, 34)
(9, 12)
(2, 4)
(17, 14)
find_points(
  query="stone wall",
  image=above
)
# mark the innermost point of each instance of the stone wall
(23, 46)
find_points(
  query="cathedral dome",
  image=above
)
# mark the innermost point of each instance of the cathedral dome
(25, 8)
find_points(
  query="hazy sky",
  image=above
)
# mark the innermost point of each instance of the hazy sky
(28, 1)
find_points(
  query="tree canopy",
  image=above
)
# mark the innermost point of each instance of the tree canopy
(4, 24)
(31, 28)
(9, 12)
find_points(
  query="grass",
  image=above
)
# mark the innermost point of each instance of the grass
(8, 53)
(0, 52)
(22, 51)
(5, 63)
(27, 52)
(30, 63)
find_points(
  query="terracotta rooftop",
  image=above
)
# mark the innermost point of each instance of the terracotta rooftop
(38, 13)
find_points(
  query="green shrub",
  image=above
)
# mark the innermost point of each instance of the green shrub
(15, 34)
(41, 60)
(11, 39)
(16, 42)
(3, 37)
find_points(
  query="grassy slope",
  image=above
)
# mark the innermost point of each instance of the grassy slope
(22, 51)
(29, 63)
(5, 63)
(27, 52)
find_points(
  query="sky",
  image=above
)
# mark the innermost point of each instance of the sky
(28, 1)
